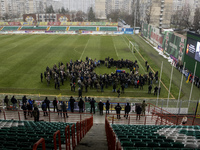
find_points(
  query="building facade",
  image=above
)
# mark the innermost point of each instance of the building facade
(122, 5)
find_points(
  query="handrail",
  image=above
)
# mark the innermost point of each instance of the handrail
(38, 142)
(59, 140)
(67, 137)
(78, 132)
(73, 137)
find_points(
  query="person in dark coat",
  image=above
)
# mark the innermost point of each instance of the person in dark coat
(72, 100)
(47, 103)
(138, 111)
(64, 108)
(122, 86)
(127, 110)
(80, 105)
(79, 93)
(30, 108)
(149, 89)
(155, 90)
(24, 107)
(41, 77)
(44, 108)
(24, 99)
(118, 92)
(36, 114)
(101, 107)
(92, 104)
(55, 104)
(114, 87)
(14, 102)
(6, 100)
(107, 107)
(118, 109)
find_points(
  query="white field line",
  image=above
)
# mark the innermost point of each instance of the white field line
(115, 48)
(84, 49)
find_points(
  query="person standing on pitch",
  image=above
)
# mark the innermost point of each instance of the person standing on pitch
(118, 92)
(143, 108)
(118, 109)
(101, 107)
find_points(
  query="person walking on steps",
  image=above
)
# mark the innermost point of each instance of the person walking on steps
(24, 108)
(143, 107)
(138, 111)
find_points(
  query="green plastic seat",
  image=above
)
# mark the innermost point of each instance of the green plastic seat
(126, 143)
(140, 144)
(165, 144)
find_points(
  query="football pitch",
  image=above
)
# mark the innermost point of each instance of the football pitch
(24, 57)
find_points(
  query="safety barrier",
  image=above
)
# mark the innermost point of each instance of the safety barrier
(52, 116)
(59, 140)
(73, 137)
(111, 137)
(78, 132)
(38, 142)
(67, 137)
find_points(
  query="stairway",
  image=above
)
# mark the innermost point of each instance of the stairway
(95, 139)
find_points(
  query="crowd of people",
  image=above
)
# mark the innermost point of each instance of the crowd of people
(82, 76)
(31, 108)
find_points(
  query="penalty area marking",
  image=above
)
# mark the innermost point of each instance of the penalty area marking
(76, 50)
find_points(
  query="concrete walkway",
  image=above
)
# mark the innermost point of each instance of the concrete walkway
(96, 137)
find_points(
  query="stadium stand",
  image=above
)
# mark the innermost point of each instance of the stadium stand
(34, 28)
(82, 28)
(23, 134)
(57, 28)
(108, 28)
(10, 28)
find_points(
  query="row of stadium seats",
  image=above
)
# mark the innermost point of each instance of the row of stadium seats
(157, 137)
(57, 28)
(21, 135)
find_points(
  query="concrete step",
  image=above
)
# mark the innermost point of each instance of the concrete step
(94, 139)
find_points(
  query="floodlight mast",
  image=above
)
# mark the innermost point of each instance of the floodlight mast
(135, 17)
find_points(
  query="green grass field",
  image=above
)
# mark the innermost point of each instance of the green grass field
(24, 57)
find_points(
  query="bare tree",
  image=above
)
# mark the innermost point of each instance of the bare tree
(114, 15)
(80, 16)
(196, 22)
(181, 18)
(148, 13)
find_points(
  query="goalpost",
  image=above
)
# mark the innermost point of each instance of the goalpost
(132, 46)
